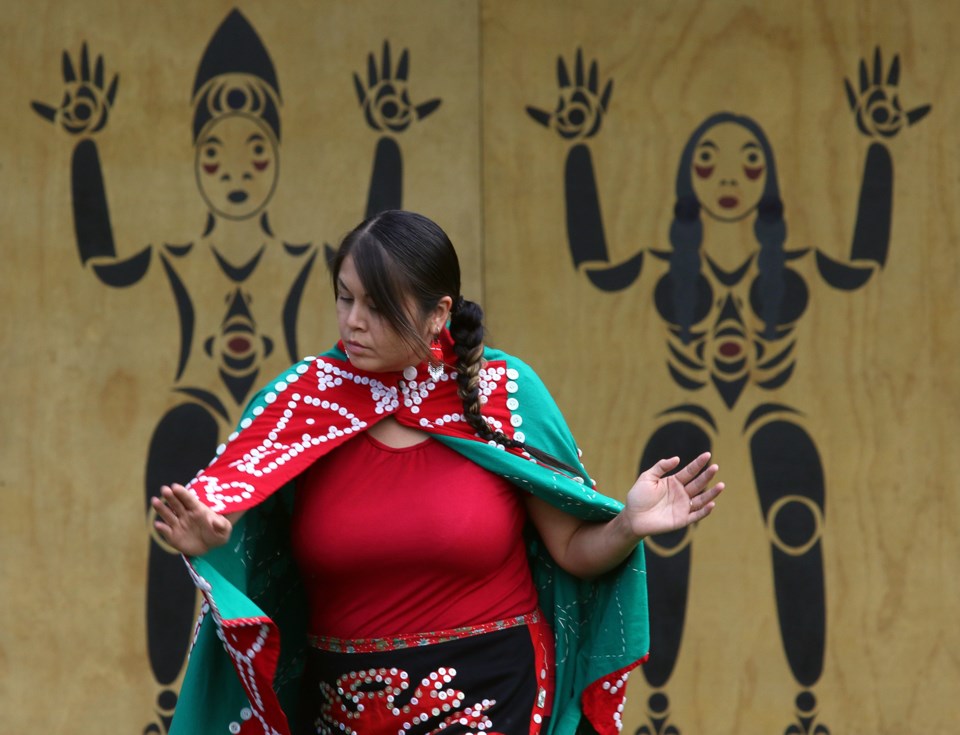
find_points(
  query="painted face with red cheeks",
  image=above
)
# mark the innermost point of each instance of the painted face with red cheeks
(236, 165)
(729, 171)
(370, 341)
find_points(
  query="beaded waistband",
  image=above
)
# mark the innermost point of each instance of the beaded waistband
(411, 640)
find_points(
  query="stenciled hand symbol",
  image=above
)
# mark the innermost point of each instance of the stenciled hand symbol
(385, 99)
(877, 104)
(581, 106)
(85, 104)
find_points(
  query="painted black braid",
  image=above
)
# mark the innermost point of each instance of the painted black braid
(466, 328)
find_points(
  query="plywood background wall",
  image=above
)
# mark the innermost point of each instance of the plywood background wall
(91, 370)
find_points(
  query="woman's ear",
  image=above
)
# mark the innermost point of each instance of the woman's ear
(440, 315)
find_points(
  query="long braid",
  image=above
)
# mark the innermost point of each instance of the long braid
(466, 328)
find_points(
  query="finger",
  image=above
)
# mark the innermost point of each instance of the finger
(851, 97)
(592, 82)
(426, 108)
(188, 501)
(167, 504)
(707, 495)
(173, 497)
(705, 477)
(563, 78)
(69, 75)
(700, 513)
(877, 67)
(689, 472)
(662, 467)
(112, 92)
(917, 114)
(385, 70)
(163, 512)
(893, 76)
(701, 508)
(45, 111)
(371, 71)
(605, 99)
(578, 68)
(84, 64)
(98, 73)
(403, 66)
(358, 85)
(540, 116)
(163, 530)
(864, 77)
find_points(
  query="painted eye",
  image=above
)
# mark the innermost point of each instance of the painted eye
(258, 150)
(210, 152)
(753, 162)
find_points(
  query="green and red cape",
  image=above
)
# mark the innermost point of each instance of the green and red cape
(244, 666)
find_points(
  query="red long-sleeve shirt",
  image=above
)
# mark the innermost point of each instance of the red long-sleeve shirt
(410, 540)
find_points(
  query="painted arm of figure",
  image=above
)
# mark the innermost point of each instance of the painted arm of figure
(83, 111)
(577, 118)
(387, 109)
(188, 525)
(657, 503)
(879, 116)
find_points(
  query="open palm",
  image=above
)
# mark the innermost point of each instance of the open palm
(188, 525)
(659, 502)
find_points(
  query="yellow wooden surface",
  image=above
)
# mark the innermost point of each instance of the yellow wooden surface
(876, 377)
(88, 369)
(91, 368)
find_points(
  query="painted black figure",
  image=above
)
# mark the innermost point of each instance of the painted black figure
(731, 309)
(260, 277)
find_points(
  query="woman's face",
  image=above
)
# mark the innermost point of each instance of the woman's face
(370, 341)
(236, 165)
(729, 171)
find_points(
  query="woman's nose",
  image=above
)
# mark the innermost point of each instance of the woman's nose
(355, 318)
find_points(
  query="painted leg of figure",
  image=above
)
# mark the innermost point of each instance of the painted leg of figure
(790, 484)
(183, 442)
(668, 573)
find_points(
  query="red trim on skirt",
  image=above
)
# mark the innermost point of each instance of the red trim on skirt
(486, 679)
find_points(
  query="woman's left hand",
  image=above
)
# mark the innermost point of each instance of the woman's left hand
(658, 502)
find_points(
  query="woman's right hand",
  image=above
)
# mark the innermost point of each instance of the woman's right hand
(188, 525)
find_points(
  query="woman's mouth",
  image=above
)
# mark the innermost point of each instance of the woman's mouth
(354, 347)
(237, 196)
(729, 202)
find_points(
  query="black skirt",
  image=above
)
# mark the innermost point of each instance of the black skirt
(496, 678)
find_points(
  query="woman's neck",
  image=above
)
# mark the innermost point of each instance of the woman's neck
(393, 434)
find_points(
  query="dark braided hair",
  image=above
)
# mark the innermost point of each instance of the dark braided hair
(402, 255)
(466, 328)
